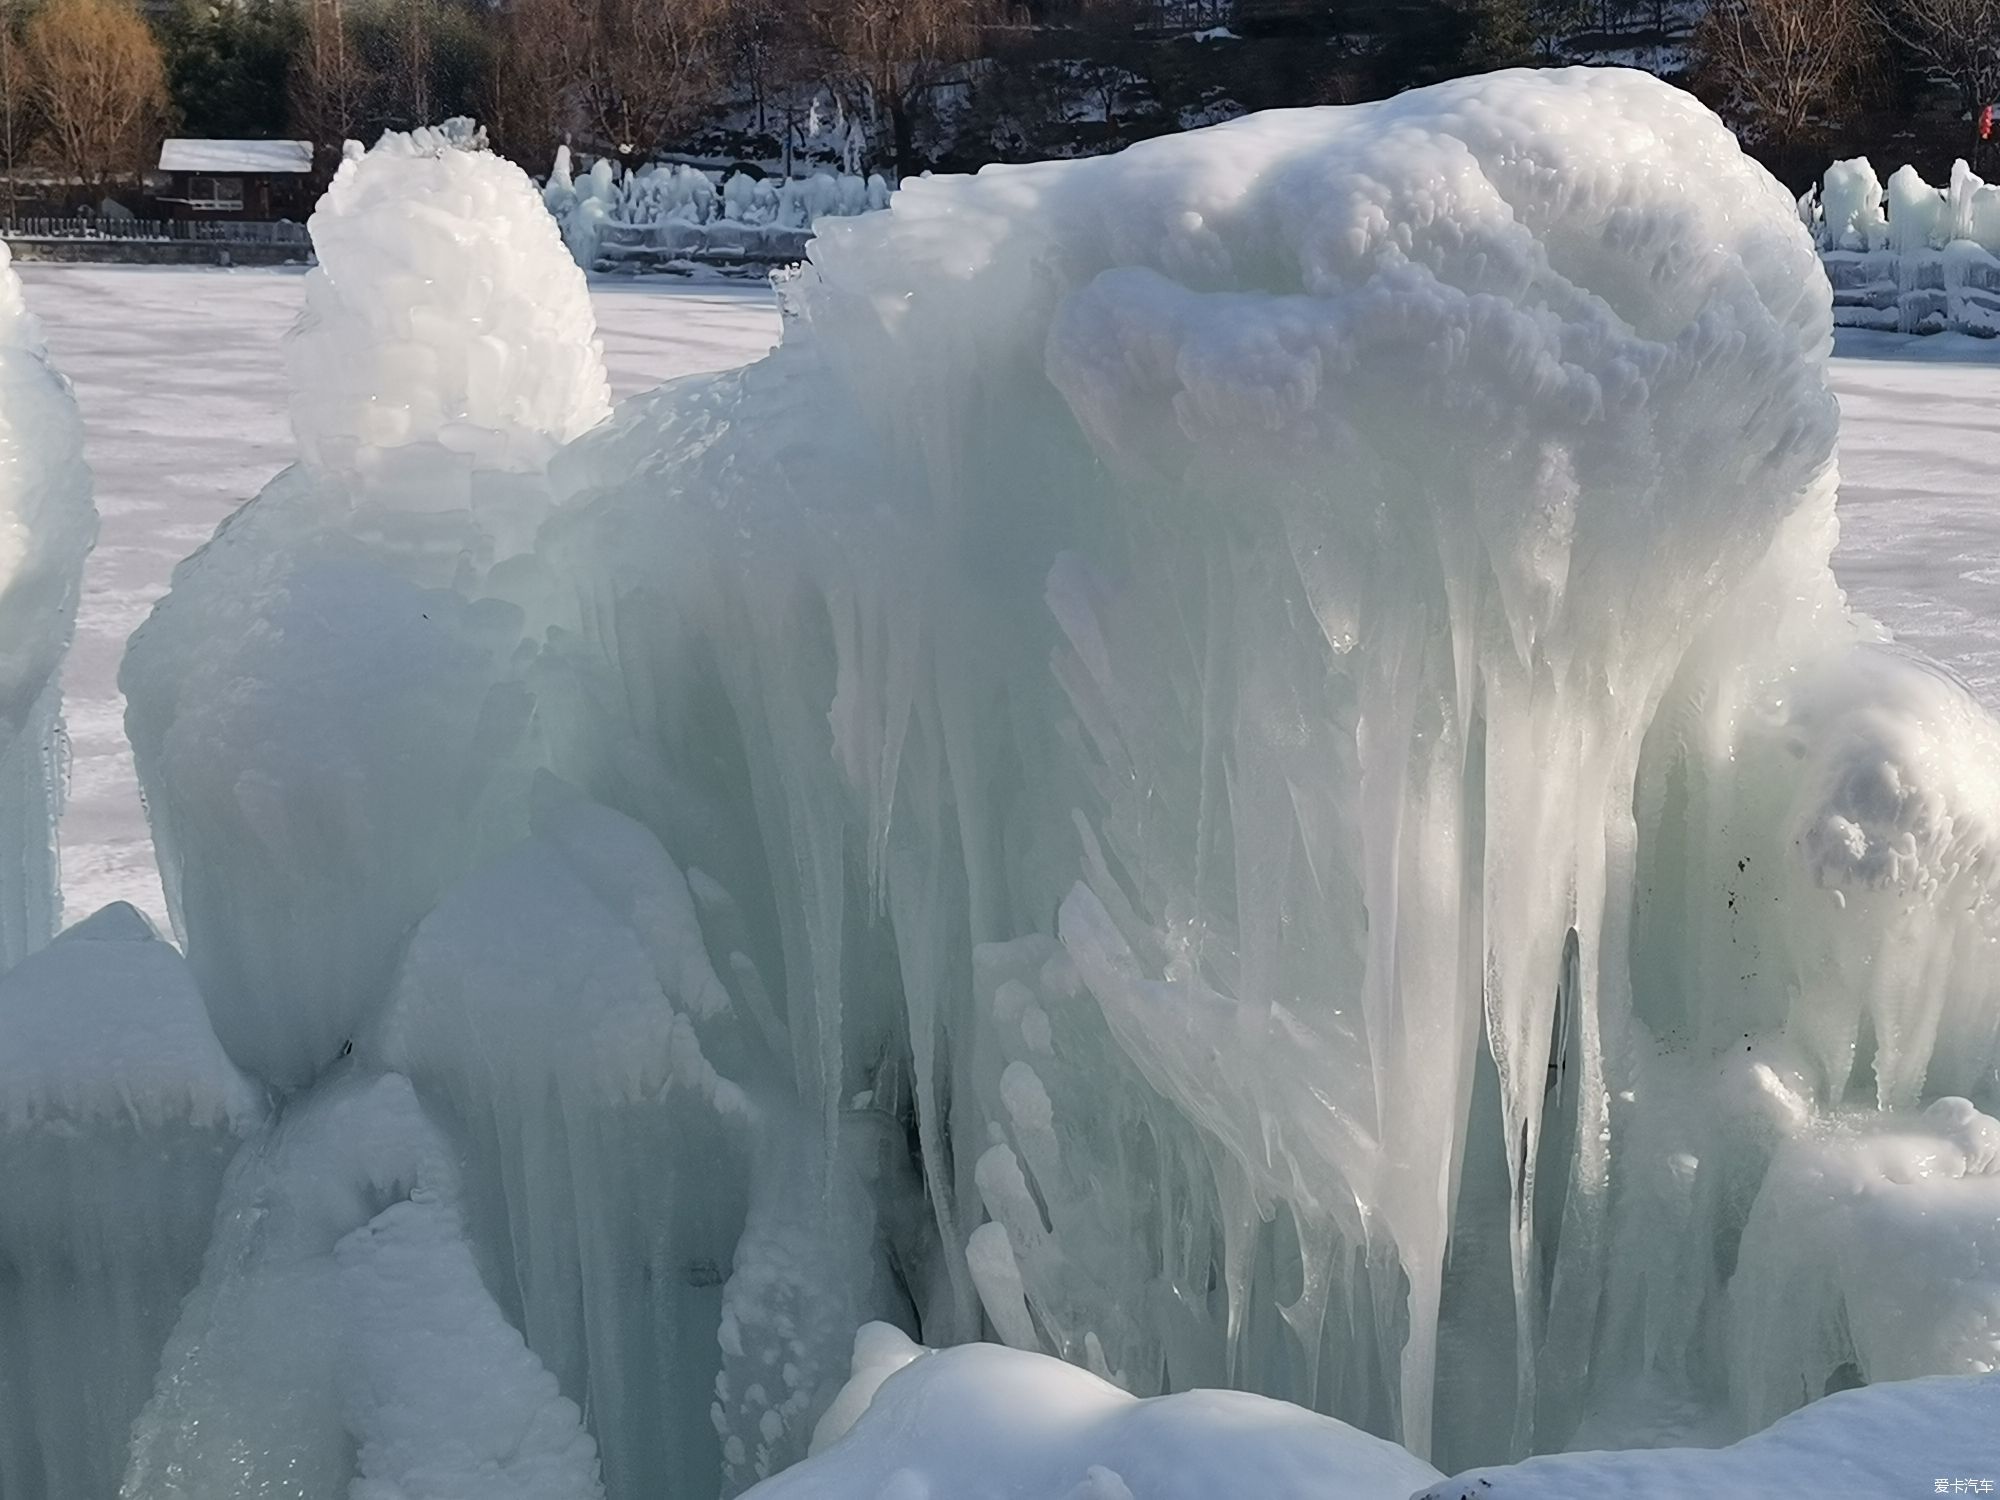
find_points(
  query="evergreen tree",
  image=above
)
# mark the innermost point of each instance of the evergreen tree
(227, 64)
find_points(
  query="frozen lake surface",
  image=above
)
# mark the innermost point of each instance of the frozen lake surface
(179, 374)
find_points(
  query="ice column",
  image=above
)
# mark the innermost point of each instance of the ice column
(324, 709)
(47, 525)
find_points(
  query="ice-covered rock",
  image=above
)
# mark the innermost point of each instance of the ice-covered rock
(1810, 1306)
(118, 1115)
(47, 525)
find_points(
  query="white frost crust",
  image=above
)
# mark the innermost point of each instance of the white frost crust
(981, 1420)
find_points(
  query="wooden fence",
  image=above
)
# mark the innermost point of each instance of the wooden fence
(164, 231)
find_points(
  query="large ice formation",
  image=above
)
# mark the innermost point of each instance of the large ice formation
(47, 525)
(619, 220)
(1911, 257)
(1239, 763)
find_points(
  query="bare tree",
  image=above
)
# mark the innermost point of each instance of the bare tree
(769, 48)
(100, 86)
(15, 98)
(649, 67)
(900, 51)
(409, 80)
(330, 77)
(538, 70)
(1959, 40)
(1781, 67)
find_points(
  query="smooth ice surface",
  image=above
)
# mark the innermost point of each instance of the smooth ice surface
(1240, 763)
(980, 1421)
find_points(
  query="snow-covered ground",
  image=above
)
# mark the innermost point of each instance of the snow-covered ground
(180, 376)
(1920, 493)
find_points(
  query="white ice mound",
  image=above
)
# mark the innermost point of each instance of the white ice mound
(981, 1420)
(47, 525)
(341, 1345)
(1244, 756)
(118, 1114)
(1900, 1439)
(443, 311)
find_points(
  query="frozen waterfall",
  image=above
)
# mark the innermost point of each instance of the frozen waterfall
(1238, 763)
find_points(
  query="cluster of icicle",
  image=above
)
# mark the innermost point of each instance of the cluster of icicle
(611, 217)
(1239, 763)
(1910, 258)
